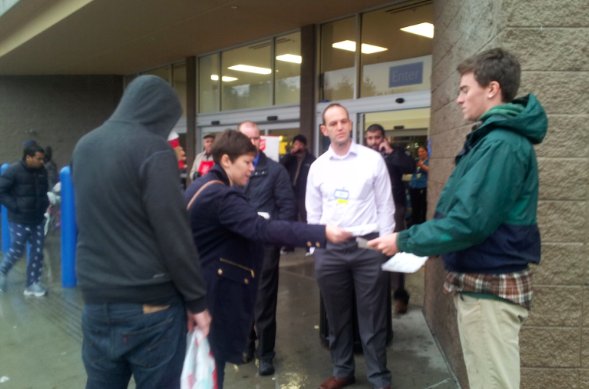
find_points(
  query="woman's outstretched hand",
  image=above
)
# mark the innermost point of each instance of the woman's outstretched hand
(335, 234)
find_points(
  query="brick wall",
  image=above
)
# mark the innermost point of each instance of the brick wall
(551, 39)
(53, 110)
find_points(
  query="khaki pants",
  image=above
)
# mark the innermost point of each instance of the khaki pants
(489, 335)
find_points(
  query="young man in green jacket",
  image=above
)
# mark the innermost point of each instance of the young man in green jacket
(485, 221)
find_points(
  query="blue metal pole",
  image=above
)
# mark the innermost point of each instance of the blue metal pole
(5, 226)
(69, 230)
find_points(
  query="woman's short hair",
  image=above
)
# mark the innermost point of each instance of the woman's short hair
(234, 144)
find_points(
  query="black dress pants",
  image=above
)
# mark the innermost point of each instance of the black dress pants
(265, 312)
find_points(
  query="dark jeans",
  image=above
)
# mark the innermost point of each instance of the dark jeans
(121, 340)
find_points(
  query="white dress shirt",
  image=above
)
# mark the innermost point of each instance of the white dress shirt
(350, 190)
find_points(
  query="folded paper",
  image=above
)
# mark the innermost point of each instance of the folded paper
(404, 263)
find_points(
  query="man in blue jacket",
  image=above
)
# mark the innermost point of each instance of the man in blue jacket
(269, 191)
(485, 221)
(23, 191)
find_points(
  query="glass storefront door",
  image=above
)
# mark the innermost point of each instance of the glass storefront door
(286, 133)
(408, 127)
(277, 121)
(405, 118)
(281, 135)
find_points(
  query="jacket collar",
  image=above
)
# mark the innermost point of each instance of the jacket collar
(262, 161)
(217, 173)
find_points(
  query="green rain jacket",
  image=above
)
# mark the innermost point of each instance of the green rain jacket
(485, 220)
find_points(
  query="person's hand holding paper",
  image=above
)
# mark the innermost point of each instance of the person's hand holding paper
(385, 244)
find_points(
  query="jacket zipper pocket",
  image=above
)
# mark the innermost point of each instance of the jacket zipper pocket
(239, 265)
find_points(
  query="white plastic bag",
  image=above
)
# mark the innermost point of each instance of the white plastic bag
(198, 371)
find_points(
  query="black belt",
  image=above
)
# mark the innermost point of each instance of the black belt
(351, 245)
(372, 235)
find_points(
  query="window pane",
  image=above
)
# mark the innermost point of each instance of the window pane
(247, 77)
(395, 61)
(337, 64)
(163, 72)
(128, 78)
(288, 69)
(179, 84)
(208, 83)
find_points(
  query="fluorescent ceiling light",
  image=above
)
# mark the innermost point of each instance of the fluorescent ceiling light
(290, 58)
(423, 29)
(215, 77)
(345, 45)
(351, 46)
(370, 49)
(250, 69)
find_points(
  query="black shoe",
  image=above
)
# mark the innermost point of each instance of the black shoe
(247, 357)
(266, 367)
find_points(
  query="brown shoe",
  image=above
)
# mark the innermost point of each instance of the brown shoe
(337, 383)
(401, 298)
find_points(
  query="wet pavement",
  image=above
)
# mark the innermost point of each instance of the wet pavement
(40, 338)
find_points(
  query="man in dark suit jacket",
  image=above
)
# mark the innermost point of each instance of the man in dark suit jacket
(298, 162)
(398, 164)
(269, 191)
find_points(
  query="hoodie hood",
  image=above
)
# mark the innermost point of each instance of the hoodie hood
(150, 102)
(524, 116)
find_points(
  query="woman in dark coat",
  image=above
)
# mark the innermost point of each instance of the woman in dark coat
(229, 233)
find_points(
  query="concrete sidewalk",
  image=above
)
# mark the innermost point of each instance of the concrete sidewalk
(40, 338)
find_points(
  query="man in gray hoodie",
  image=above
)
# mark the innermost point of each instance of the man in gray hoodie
(137, 266)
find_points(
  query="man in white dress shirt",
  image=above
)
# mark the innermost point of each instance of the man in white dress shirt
(349, 186)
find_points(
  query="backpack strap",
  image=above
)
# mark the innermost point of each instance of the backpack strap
(198, 192)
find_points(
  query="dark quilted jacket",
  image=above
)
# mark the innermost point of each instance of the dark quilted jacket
(23, 191)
